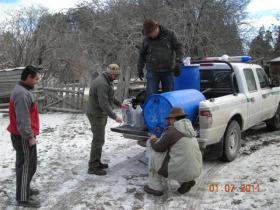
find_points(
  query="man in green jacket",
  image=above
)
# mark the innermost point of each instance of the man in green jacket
(99, 107)
(176, 155)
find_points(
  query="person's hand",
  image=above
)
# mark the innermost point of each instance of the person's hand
(176, 70)
(119, 119)
(141, 75)
(32, 141)
(153, 138)
(124, 106)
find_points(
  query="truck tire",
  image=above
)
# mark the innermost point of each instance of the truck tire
(232, 141)
(273, 124)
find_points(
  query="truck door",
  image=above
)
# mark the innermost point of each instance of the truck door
(268, 99)
(254, 99)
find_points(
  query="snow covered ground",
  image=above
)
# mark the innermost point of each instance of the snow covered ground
(63, 153)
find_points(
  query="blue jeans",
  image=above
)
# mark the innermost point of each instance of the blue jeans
(154, 78)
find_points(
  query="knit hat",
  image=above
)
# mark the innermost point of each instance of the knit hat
(149, 26)
(113, 69)
(176, 112)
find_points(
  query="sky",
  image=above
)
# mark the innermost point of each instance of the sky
(52, 5)
(261, 12)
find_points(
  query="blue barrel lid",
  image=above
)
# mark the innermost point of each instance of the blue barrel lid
(156, 109)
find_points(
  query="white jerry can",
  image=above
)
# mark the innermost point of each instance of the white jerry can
(127, 115)
(137, 117)
(133, 117)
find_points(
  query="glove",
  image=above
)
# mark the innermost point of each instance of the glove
(176, 70)
(141, 75)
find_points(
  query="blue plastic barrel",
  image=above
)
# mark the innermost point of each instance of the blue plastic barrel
(189, 78)
(158, 106)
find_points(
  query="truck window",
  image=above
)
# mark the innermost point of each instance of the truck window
(220, 78)
(263, 79)
(250, 80)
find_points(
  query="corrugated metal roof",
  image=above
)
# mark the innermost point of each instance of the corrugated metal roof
(275, 60)
(12, 69)
(8, 79)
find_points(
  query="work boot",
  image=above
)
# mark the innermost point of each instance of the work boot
(97, 171)
(103, 165)
(149, 190)
(34, 191)
(31, 203)
(186, 187)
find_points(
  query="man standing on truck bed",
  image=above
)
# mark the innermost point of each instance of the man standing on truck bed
(24, 127)
(99, 107)
(176, 155)
(157, 53)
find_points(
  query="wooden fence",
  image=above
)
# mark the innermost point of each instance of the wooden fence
(67, 97)
(61, 98)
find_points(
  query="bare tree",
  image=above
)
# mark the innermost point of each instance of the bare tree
(82, 41)
(16, 39)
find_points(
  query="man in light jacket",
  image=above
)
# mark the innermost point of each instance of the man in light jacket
(176, 155)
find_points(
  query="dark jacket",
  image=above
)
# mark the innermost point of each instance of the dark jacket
(158, 53)
(169, 137)
(101, 97)
(23, 112)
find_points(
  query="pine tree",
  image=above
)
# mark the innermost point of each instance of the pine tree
(277, 44)
(260, 46)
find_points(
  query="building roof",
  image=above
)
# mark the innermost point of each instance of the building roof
(275, 60)
(12, 69)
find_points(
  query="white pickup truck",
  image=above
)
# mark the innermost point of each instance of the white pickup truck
(238, 96)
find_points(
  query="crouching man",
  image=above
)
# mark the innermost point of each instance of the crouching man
(176, 155)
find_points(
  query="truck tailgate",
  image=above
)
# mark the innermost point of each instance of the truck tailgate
(127, 129)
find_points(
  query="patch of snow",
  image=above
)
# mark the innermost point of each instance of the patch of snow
(63, 154)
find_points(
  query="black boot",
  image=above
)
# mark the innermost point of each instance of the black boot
(31, 203)
(186, 187)
(103, 165)
(97, 171)
(34, 191)
(149, 190)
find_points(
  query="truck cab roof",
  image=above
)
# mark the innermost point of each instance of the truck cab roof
(226, 66)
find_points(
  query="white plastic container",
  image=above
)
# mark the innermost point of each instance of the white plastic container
(133, 117)
(137, 117)
(127, 115)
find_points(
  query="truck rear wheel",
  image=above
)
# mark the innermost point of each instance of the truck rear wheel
(232, 141)
(273, 124)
